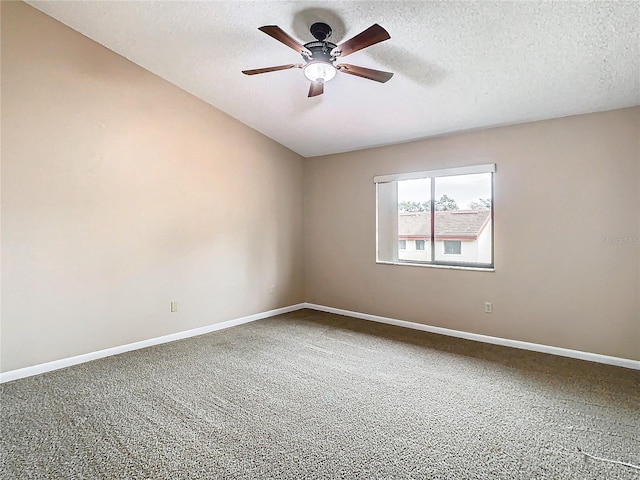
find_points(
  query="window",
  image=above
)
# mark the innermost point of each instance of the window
(448, 214)
(453, 247)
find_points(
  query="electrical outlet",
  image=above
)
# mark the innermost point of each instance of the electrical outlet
(272, 290)
(174, 306)
(488, 307)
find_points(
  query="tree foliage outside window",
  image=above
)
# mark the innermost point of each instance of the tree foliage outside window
(481, 204)
(445, 203)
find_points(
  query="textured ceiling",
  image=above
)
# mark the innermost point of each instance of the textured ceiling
(458, 65)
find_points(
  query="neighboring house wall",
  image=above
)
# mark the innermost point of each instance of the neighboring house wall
(461, 227)
(469, 252)
(411, 253)
(483, 244)
(121, 193)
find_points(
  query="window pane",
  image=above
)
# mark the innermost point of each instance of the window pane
(462, 225)
(414, 219)
(452, 247)
(463, 219)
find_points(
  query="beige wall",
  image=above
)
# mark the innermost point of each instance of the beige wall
(120, 193)
(565, 191)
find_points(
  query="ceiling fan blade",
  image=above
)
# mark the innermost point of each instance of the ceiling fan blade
(372, 35)
(369, 73)
(255, 71)
(280, 35)
(316, 89)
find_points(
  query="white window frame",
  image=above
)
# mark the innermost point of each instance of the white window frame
(388, 199)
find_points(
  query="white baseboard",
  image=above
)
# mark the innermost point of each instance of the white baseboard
(563, 352)
(87, 357)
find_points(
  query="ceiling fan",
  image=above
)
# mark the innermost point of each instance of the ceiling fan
(319, 56)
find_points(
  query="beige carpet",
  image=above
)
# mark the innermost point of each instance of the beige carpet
(316, 395)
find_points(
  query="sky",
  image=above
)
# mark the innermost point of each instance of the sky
(462, 188)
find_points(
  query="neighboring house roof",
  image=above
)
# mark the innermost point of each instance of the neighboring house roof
(450, 224)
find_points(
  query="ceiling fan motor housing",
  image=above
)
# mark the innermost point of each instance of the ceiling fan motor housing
(320, 51)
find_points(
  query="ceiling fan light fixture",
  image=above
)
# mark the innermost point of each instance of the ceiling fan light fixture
(320, 55)
(320, 72)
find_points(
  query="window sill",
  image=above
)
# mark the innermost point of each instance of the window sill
(446, 267)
